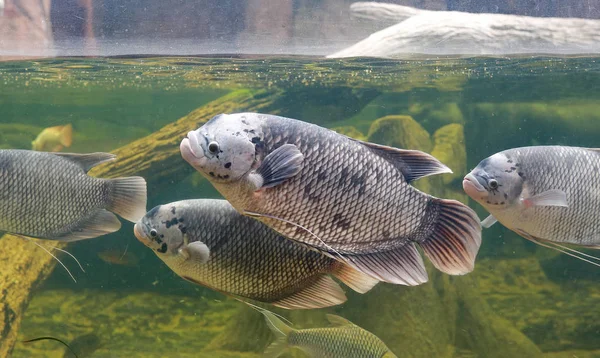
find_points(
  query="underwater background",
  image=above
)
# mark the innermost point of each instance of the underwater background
(521, 300)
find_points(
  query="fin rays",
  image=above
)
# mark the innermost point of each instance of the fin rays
(561, 248)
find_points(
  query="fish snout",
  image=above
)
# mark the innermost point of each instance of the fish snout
(472, 186)
(140, 234)
(191, 150)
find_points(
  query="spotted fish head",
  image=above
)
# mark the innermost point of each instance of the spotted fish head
(496, 182)
(224, 149)
(161, 230)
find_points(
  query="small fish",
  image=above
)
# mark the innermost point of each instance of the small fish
(49, 196)
(117, 257)
(547, 194)
(343, 339)
(85, 345)
(209, 243)
(53, 139)
(349, 199)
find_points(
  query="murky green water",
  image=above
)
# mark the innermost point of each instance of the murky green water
(521, 300)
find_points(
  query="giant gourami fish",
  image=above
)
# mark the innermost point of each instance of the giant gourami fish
(50, 196)
(206, 241)
(547, 194)
(342, 339)
(349, 199)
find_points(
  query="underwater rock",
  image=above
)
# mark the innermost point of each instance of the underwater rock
(155, 157)
(350, 131)
(454, 32)
(401, 132)
(449, 148)
(435, 115)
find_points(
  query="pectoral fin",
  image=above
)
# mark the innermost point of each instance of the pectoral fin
(281, 164)
(489, 221)
(553, 197)
(196, 251)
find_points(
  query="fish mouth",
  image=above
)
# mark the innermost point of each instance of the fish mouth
(189, 149)
(471, 183)
(139, 233)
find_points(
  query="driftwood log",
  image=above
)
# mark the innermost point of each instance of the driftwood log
(23, 266)
(462, 33)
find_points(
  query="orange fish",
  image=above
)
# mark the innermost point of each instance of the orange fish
(53, 139)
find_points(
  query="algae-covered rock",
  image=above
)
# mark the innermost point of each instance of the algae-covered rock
(350, 131)
(449, 148)
(433, 115)
(401, 132)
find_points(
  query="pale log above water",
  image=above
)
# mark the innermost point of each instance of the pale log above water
(461, 33)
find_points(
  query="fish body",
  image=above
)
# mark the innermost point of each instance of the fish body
(54, 139)
(544, 193)
(50, 196)
(348, 199)
(343, 339)
(208, 242)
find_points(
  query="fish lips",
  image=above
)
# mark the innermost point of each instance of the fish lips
(472, 186)
(140, 234)
(189, 149)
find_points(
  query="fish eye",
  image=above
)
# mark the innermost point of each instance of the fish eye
(153, 233)
(213, 147)
(493, 183)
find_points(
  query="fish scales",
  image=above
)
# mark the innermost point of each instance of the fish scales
(247, 258)
(349, 341)
(349, 199)
(343, 198)
(46, 208)
(571, 170)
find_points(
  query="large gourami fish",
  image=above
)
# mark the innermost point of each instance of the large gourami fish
(208, 242)
(547, 194)
(342, 339)
(346, 198)
(50, 196)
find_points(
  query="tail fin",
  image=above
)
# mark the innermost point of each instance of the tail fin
(128, 198)
(66, 135)
(356, 280)
(455, 240)
(281, 331)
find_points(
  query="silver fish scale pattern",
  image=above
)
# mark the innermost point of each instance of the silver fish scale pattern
(572, 170)
(246, 257)
(334, 342)
(350, 198)
(33, 205)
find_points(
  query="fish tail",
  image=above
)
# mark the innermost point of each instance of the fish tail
(281, 331)
(66, 135)
(128, 197)
(455, 239)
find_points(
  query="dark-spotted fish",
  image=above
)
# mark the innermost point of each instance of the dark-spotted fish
(50, 196)
(343, 339)
(208, 242)
(547, 194)
(348, 199)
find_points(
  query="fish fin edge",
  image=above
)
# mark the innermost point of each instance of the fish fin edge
(128, 198)
(488, 221)
(89, 160)
(280, 165)
(552, 197)
(454, 243)
(351, 277)
(414, 164)
(338, 321)
(100, 222)
(324, 292)
(66, 135)
(401, 266)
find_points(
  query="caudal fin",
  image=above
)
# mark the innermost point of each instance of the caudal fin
(128, 198)
(281, 331)
(455, 240)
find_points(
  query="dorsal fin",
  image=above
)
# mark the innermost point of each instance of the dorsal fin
(338, 321)
(413, 164)
(89, 160)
